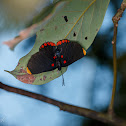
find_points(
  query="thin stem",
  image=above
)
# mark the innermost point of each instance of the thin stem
(115, 71)
(115, 19)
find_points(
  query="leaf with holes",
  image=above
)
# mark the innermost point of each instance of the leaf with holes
(77, 20)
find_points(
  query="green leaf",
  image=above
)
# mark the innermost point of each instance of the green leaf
(46, 12)
(83, 21)
(54, 1)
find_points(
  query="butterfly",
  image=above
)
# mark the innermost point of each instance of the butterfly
(52, 56)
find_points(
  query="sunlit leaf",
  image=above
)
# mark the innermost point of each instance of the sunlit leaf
(77, 20)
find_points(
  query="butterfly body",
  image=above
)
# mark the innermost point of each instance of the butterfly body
(58, 59)
(52, 56)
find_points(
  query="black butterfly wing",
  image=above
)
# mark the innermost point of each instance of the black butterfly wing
(43, 60)
(70, 52)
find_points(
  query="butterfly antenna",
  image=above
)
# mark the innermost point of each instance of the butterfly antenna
(63, 84)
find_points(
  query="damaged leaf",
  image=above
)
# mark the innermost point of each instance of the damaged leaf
(78, 20)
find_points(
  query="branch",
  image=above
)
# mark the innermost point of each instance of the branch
(69, 108)
(115, 19)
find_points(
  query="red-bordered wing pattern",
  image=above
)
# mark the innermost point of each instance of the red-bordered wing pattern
(51, 56)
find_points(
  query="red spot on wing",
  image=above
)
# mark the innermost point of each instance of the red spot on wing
(59, 42)
(52, 64)
(61, 56)
(54, 57)
(45, 44)
(52, 44)
(42, 46)
(66, 40)
(62, 41)
(64, 61)
(48, 43)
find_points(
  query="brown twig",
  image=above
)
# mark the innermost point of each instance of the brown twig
(66, 107)
(115, 19)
